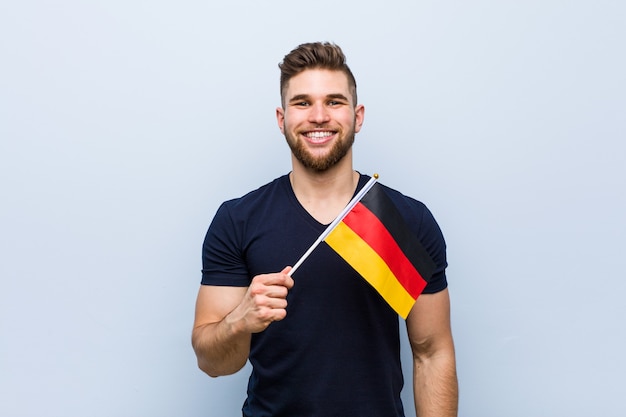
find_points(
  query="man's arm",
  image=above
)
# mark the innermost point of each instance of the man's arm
(434, 366)
(226, 317)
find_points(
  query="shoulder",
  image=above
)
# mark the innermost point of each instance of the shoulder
(259, 194)
(422, 223)
(235, 225)
(250, 203)
(414, 211)
(243, 213)
(403, 200)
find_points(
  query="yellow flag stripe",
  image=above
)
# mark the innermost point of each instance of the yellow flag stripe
(371, 267)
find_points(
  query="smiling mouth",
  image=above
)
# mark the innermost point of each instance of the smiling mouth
(319, 136)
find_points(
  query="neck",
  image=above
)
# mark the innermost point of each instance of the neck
(324, 194)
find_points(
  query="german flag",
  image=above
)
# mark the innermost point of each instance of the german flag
(375, 240)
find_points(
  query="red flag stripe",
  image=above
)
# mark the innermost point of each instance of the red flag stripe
(365, 224)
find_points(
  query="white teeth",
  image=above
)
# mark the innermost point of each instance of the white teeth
(319, 134)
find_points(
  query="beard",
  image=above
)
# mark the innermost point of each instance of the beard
(320, 162)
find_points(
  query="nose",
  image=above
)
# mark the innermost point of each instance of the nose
(319, 114)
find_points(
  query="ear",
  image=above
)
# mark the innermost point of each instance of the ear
(359, 116)
(280, 118)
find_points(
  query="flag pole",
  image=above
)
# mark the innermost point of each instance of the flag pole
(335, 222)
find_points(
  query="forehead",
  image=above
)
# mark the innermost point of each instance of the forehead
(321, 82)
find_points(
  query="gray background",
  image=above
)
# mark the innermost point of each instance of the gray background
(124, 124)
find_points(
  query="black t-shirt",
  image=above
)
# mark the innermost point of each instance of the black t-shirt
(337, 353)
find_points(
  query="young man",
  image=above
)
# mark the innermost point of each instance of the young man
(323, 342)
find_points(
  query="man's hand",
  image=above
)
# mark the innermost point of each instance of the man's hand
(226, 317)
(264, 302)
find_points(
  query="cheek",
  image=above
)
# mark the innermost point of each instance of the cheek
(350, 120)
(289, 123)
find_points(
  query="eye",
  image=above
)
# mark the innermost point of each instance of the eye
(336, 102)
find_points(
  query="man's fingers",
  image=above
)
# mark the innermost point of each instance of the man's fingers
(267, 298)
(278, 279)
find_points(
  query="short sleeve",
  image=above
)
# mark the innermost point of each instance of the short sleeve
(223, 260)
(433, 241)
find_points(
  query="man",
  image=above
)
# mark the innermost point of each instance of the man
(323, 342)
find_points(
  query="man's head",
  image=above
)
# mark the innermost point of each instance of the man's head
(316, 55)
(319, 115)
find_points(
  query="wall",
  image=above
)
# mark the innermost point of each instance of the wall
(123, 125)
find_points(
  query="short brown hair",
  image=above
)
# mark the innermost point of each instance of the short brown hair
(316, 55)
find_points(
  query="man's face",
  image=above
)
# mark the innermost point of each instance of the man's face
(319, 119)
